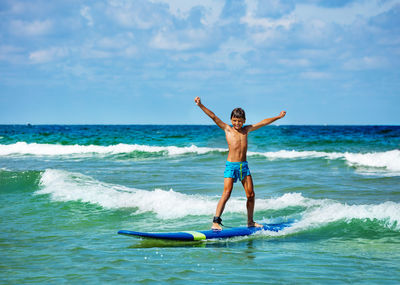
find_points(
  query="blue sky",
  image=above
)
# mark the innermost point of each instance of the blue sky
(144, 61)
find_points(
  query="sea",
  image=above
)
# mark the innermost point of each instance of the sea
(66, 190)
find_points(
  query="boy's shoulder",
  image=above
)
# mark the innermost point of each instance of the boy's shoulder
(246, 129)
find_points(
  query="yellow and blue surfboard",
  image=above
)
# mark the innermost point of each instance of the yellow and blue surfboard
(208, 234)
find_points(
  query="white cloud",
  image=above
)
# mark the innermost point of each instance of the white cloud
(272, 8)
(35, 28)
(117, 42)
(119, 45)
(267, 23)
(47, 55)
(85, 13)
(264, 28)
(314, 24)
(130, 51)
(252, 20)
(179, 40)
(136, 14)
(345, 15)
(231, 54)
(78, 70)
(181, 9)
(365, 63)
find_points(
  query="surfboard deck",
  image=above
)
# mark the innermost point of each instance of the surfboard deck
(208, 234)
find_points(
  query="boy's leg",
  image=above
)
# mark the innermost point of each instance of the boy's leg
(228, 185)
(247, 183)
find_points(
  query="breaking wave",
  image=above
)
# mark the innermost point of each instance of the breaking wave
(311, 213)
(387, 160)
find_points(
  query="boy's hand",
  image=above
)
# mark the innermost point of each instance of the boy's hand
(282, 114)
(197, 100)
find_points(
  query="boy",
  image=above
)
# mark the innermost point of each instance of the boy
(236, 164)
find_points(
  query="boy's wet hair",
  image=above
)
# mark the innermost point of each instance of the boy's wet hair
(238, 113)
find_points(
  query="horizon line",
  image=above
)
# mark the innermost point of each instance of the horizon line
(155, 124)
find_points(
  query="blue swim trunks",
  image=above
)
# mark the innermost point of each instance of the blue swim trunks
(236, 170)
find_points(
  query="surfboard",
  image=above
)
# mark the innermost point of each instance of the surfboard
(208, 234)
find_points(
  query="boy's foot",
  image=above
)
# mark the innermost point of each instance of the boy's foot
(216, 227)
(217, 223)
(254, 224)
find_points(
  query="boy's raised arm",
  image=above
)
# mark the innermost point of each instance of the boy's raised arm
(209, 113)
(265, 122)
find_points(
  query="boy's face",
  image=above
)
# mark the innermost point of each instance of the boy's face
(237, 123)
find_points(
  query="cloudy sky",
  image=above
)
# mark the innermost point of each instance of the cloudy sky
(144, 61)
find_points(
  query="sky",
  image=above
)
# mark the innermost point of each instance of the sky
(331, 62)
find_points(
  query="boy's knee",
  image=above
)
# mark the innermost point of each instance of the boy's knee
(250, 195)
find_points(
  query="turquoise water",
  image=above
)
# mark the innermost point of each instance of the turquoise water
(67, 190)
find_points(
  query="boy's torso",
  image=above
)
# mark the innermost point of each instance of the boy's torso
(237, 143)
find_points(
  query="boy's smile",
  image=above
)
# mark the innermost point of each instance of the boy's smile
(237, 123)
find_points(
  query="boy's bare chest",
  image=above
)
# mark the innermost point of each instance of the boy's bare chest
(236, 139)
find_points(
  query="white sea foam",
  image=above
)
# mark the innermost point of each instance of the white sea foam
(67, 186)
(387, 213)
(388, 160)
(23, 148)
(293, 154)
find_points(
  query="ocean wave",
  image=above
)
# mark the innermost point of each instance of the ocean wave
(312, 213)
(387, 160)
(11, 181)
(386, 215)
(23, 148)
